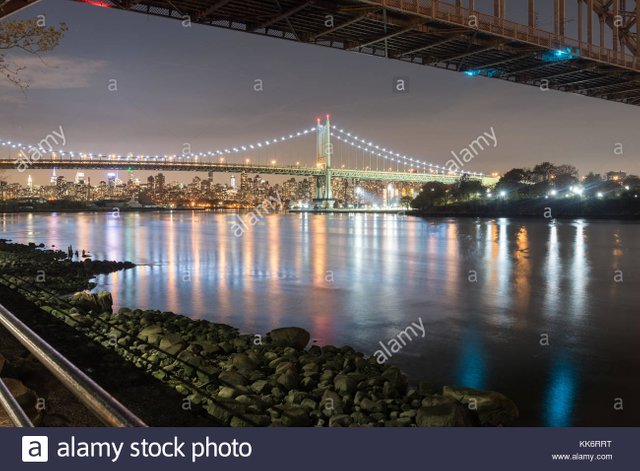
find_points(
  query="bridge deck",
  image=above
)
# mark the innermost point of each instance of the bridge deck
(437, 33)
(240, 168)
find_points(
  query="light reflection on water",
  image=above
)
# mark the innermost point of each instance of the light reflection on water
(360, 279)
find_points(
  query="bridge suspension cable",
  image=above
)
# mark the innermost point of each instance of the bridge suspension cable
(388, 154)
(214, 153)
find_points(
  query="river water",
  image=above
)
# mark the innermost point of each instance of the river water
(546, 312)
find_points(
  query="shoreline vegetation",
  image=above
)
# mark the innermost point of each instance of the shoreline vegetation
(241, 379)
(537, 209)
(546, 191)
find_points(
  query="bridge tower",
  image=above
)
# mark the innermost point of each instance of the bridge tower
(324, 150)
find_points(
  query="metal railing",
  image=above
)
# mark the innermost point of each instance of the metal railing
(104, 406)
(17, 416)
(449, 13)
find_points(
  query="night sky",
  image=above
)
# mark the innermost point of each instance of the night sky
(195, 85)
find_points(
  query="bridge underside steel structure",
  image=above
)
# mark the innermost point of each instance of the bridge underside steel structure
(603, 61)
(292, 170)
(9, 7)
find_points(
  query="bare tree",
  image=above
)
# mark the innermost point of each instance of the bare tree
(31, 36)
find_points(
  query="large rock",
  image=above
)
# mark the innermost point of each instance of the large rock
(294, 337)
(242, 362)
(172, 343)
(492, 407)
(398, 381)
(445, 415)
(224, 409)
(151, 333)
(345, 384)
(96, 302)
(293, 416)
(232, 378)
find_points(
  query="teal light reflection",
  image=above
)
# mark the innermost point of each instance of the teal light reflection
(560, 395)
(472, 368)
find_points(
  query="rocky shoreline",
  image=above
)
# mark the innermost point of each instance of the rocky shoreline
(242, 379)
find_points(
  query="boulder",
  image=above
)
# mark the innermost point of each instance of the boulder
(293, 416)
(445, 415)
(242, 362)
(96, 302)
(172, 343)
(397, 380)
(150, 333)
(369, 405)
(250, 420)
(261, 386)
(331, 403)
(340, 420)
(294, 337)
(289, 380)
(225, 409)
(232, 378)
(345, 384)
(491, 407)
(227, 392)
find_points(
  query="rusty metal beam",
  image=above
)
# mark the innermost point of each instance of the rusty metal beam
(371, 41)
(426, 47)
(532, 13)
(283, 15)
(215, 6)
(10, 7)
(507, 60)
(346, 24)
(466, 54)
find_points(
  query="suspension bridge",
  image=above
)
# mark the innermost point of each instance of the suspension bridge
(339, 154)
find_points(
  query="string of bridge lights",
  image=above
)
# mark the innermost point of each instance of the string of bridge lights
(131, 155)
(373, 151)
(388, 154)
(340, 134)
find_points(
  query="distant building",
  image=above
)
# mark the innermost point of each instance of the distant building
(160, 182)
(111, 180)
(232, 182)
(80, 178)
(244, 182)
